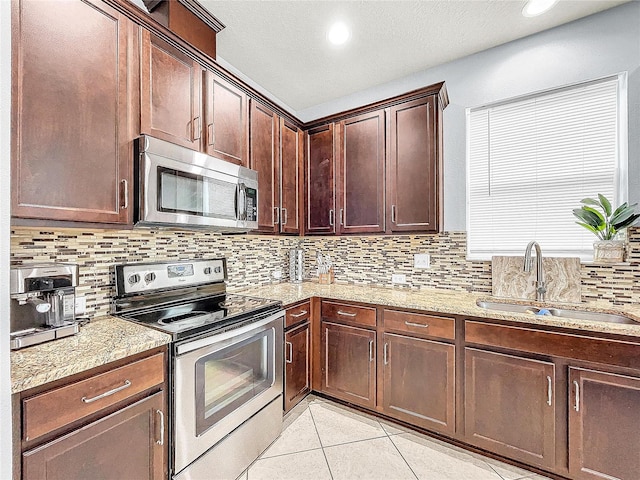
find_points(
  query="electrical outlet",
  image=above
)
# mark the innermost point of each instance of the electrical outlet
(422, 260)
(277, 274)
(398, 278)
(81, 305)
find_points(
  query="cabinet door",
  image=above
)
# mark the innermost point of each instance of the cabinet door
(291, 153)
(171, 99)
(227, 129)
(297, 372)
(348, 363)
(419, 382)
(127, 444)
(360, 185)
(320, 198)
(604, 415)
(510, 406)
(264, 159)
(74, 80)
(412, 192)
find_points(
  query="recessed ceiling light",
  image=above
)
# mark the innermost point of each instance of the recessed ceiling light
(338, 33)
(534, 8)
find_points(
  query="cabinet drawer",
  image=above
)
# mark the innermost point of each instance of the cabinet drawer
(298, 314)
(420, 325)
(51, 410)
(342, 312)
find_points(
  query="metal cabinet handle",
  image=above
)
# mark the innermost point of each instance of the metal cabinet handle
(549, 390)
(127, 384)
(393, 214)
(298, 315)
(371, 350)
(346, 314)
(342, 216)
(211, 134)
(331, 218)
(161, 414)
(284, 216)
(412, 324)
(276, 216)
(125, 193)
(385, 352)
(577, 404)
(290, 350)
(196, 130)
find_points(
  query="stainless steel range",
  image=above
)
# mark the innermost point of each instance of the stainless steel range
(226, 362)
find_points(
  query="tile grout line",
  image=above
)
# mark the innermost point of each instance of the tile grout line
(320, 440)
(402, 456)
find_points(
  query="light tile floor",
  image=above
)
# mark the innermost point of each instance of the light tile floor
(323, 440)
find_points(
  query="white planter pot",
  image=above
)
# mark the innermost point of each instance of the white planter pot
(608, 251)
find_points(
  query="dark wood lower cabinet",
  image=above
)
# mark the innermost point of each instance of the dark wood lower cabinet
(297, 370)
(604, 425)
(419, 382)
(123, 445)
(348, 363)
(509, 406)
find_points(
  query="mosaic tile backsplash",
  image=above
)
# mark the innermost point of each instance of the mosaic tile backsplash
(252, 259)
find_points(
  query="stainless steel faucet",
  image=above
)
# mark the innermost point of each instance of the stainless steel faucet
(541, 287)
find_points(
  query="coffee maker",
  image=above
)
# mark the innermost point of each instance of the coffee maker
(42, 303)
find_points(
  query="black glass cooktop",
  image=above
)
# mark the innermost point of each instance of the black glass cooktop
(203, 315)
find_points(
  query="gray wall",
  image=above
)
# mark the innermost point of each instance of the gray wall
(602, 44)
(5, 137)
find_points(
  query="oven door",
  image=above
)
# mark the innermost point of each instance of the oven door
(223, 380)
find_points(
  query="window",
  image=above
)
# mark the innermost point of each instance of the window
(532, 159)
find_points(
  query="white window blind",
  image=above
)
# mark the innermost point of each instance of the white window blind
(531, 160)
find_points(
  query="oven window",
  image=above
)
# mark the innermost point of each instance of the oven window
(232, 376)
(181, 192)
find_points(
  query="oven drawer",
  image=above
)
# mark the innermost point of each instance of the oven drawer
(419, 325)
(298, 314)
(80, 399)
(346, 313)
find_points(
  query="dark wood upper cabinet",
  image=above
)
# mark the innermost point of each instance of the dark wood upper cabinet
(414, 167)
(297, 370)
(171, 93)
(348, 360)
(291, 178)
(320, 181)
(74, 97)
(226, 135)
(360, 177)
(265, 160)
(509, 406)
(604, 439)
(418, 378)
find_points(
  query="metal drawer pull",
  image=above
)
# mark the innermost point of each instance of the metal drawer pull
(346, 314)
(385, 353)
(284, 216)
(127, 384)
(577, 405)
(276, 220)
(371, 350)
(342, 216)
(411, 324)
(298, 315)
(549, 391)
(125, 193)
(212, 135)
(197, 131)
(161, 441)
(331, 218)
(393, 214)
(290, 347)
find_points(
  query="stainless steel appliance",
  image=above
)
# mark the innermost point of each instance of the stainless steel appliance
(176, 186)
(226, 362)
(42, 303)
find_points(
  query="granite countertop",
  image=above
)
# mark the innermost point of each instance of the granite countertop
(447, 302)
(103, 340)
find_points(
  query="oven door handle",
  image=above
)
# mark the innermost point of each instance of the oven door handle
(235, 332)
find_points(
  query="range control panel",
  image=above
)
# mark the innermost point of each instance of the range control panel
(147, 277)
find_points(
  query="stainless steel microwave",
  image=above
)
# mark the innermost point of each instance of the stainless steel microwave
(178, 187)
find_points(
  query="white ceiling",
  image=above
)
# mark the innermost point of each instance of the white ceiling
(281, 45)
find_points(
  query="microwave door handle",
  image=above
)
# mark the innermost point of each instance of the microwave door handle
(241, 210)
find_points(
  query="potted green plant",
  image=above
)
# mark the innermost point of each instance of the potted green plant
(598, 217)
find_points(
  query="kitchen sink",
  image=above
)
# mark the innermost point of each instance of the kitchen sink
(558, 312)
